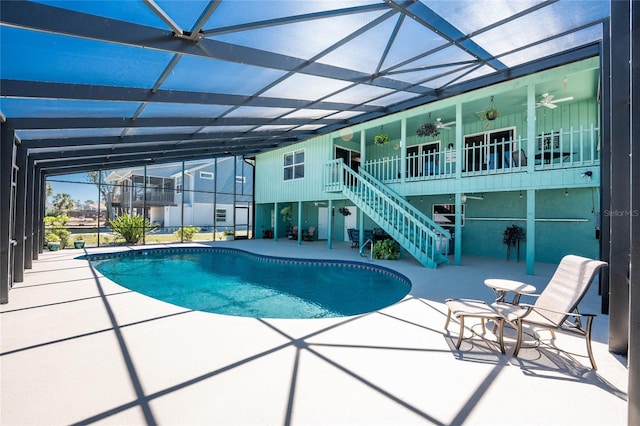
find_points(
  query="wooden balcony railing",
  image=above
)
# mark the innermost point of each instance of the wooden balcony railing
(557, 149)
(162, 197)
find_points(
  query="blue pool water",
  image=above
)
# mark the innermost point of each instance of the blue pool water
(235, 282)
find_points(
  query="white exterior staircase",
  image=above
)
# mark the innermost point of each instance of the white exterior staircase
(420, 236)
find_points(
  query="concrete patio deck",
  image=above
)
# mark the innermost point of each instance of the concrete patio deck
(77, 348)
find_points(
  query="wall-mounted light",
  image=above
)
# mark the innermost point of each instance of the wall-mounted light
(587, 175)
(520, 194)
(566, 193)
(471, 197)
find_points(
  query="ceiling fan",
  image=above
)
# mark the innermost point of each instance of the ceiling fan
(441, 125)
(547, 101)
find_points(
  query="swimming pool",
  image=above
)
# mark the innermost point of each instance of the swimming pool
(236, 282)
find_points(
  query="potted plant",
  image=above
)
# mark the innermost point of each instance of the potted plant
(381, 139)
(229, 234)
(53, 242)
(78, 241)
(344, 211)
(386, 249)
(428, 129)
(512, 237)
(286, 213)
(491, 113)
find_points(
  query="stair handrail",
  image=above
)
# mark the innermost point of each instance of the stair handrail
(414, 231)
(417, 214)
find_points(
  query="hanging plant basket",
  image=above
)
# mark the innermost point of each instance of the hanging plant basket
(491, 113)
(428, 129)
(381, 139)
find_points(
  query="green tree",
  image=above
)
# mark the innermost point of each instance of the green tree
(63, 203)
(98, 178)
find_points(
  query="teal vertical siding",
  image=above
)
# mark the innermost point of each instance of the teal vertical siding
(270, 183)
(564, 224)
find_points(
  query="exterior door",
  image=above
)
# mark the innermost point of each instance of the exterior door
(474, 154)
(323, 223)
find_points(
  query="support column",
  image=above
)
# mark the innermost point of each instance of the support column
(459, 144)
(21, 216)
(403, 150)
(531, 128)
(42, 207)
(619, 208)
(634, 271)
(363, 159)
(605, 164)
(531, 193)
(29, 209)
(457, 255)
(531, 231)
(299, 222)
(276, 212)
(6, 206)
(330, 224)
(38, 190)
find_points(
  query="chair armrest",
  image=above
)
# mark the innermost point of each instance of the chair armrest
(573, 314)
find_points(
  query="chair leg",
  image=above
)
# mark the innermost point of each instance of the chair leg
(519, 338)
(446, 324)
(461, 333)
(500, 324)
(588, 338)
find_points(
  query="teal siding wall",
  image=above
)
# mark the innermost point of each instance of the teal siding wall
(565, 223)
(556, 239)
(486, 220)
(270, 183)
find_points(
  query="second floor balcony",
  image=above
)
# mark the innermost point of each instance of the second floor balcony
(554, 150)
(140, 198)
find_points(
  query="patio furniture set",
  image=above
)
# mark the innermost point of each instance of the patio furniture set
(555, 309)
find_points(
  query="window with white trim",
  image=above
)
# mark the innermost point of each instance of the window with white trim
(206, 175)
(445, 215)
(241, 179)
(221, 215)
(294, 165)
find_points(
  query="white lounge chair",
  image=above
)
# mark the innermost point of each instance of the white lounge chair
(556, 308)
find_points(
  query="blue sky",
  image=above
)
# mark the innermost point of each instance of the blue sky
(76, 185)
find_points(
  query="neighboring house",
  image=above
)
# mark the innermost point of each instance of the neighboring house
(537, 165)
(205, 193)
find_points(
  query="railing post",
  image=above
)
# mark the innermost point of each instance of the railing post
(531, 127)
(403, 150)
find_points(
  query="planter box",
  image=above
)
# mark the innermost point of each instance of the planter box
(53, 246)
(78, 244)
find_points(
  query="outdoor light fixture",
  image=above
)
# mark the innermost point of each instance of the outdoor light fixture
(587, 175)
(471, 197)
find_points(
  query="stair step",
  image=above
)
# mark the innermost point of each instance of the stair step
(376, 208)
